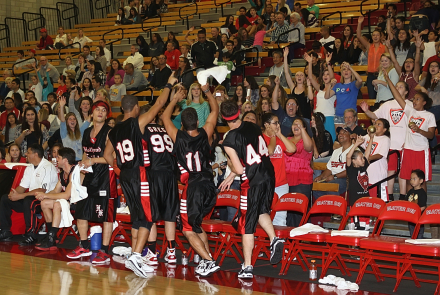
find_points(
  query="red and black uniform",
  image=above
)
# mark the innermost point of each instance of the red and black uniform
(258, 178)
(162, 174)
(126, 138)
(199, 196)
(99, 206)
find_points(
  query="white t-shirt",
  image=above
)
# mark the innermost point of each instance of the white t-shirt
(43, 176)
(393, 112)
(338, 161)
(38, 89)
(429, 51)
(379, 169)
(325, 106)
(424, 120)
(325, 41)
(11, 93)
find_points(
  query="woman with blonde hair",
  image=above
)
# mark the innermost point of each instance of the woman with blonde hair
(69, 65)
(246, 107)
(195, 100)
(381, 86)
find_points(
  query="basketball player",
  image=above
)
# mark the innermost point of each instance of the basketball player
(49, 205)
(249, 156)
(99, 206)
(126, 141)
(192, 149)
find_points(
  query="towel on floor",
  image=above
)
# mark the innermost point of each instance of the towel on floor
(219, 73)
(423, 241)
(78, 192)
(66, 216)
(350, 233)
(340, 283)
(307, 228)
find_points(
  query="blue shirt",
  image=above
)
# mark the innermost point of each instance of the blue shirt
(346, 97)
(286, 122)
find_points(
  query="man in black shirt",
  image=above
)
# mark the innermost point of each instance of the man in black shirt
(162, 74)
(203, 52)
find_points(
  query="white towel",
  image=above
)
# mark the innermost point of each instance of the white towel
(423, 241)
(11, 165)
(78, 192)
(350, 233)
(340, 283)
(66, 216)
(123, 210)
(219, 73)
(307, 228)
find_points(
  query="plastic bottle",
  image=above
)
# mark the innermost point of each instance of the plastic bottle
(184, 259)
(313, 272)
(196, 258)
(123, 203)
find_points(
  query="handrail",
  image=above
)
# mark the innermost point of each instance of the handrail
(190, 71)
(107, 5)
(333, 26)
(69, 45)
(389, 177)
(146, 89)
(26, 38)
(7, 35)
(368, 13)
(41, 17)
(111, 42)
(286, 32)
(57, 11)
(221, 5)
(248, 63)
(63, 13)
(187, 16)
(30, 70)
(149, 29)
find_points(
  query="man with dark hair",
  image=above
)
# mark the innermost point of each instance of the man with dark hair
(278, 67)
(86, 51)
(203, 52)
(9, 108)
(134, 80)
(41, 176)
(192, 150)
(126, 140)
(392, 10)
(249, 157)
(297, 7)
(21, 57)
(100, 205)
(15, 88)
(162, 73)
(242, 11)
(49, 205)
(107, 53)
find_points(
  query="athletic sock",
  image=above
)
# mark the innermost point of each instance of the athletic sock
(104, 249)
(390, 197)
(48, 226)
(152, 246)
(402, 197)
(171, 244)
(85, 244)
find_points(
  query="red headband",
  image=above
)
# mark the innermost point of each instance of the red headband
(233, 117)
(100, 103)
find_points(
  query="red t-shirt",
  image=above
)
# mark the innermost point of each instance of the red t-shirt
(429, 60)
(173, 58)
(277, 160)
(61, 90)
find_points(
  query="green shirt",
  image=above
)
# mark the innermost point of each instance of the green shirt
(315, 9)
(229, 65)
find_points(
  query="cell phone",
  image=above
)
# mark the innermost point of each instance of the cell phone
(248, 92)
(218, 94)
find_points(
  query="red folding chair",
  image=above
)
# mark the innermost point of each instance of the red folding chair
(369, 207)
(386, 248)
(422, 254)
(327, 204)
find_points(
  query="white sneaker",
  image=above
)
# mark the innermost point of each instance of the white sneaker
(210, 268)
(136, 264)
(171, 256)
(200, 268)
(150, 258)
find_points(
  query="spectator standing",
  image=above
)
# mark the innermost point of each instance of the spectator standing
(172, 54)
(61, 38)
(134, 80)
(46, 41)
(45, 82)
(203, 52)
(46, 67)
(383, 91)
(82, 39)
(136, 59)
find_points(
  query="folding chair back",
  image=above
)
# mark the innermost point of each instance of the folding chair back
(430, 216)
(274, 200)
(292, 202)
(329, 204)
(397, 210)
(366, 206)
(229, 198)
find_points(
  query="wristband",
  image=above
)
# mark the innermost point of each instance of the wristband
(169, 86)
(207, 90)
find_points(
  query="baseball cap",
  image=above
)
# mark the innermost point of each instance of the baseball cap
(343, 128)
(43, 30)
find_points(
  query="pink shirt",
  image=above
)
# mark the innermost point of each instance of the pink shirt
(259, 37)
(110, 82)
(298, 169)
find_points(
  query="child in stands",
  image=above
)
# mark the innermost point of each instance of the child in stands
(417, 195)
(357, 164)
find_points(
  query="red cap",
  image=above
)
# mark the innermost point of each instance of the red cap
(33, 51)
(43, 30)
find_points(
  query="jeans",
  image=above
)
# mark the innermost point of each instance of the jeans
(411, 227)
(293, 219)
(371, 92)
(281, 216)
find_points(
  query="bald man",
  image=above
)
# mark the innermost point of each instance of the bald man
(53, 73)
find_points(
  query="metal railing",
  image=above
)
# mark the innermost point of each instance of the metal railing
(69, 15)
(188, 15)
(149, 30)
(243, 51)
(4, 35)
(71, 53)
(52, 17)
(105, 7)
(146, 89)
(285, 33)
(389, 177)
(221, 5)
(368, 13)
(34, 22)
(25, 72)
(17, 27)
(328, 15)
(111, 42)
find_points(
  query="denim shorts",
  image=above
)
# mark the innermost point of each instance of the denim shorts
(339, 120)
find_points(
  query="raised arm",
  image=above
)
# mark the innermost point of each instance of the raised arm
(312, 78)
(328, 59)
(356, 75)
(367, 153)
(275, 103)
(365, 108)
(394, 91)
(287, 70)
(329, 91)
(389, 29)
(166, 116)
(211, 121)
(359, 32)
(358, 142)
(393, 56)
(419, 43)
(187, 36)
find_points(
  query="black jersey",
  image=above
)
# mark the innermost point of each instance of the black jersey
(98, 182)
(126, 138)
(160, 148)
(65, 181)
(193, 154)
(247, 140)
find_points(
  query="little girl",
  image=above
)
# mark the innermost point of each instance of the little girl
(36, 88)
(418, 195)
(357, 165)
(46, 82)
(62, 87)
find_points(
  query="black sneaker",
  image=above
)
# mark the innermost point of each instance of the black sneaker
(276, 250)
(6, 236)
(210, 268)
(48, 243)
(28, 241)
(246, 272)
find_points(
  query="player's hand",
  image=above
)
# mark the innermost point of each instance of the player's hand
(13, 195)
(205, 87)
(172, 79)
(180, 95)
(226, 184)
(40, 196)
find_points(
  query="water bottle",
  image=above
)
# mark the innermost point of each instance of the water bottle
(196, 258)
(184, 259)
(313, 272)
(123, 203)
